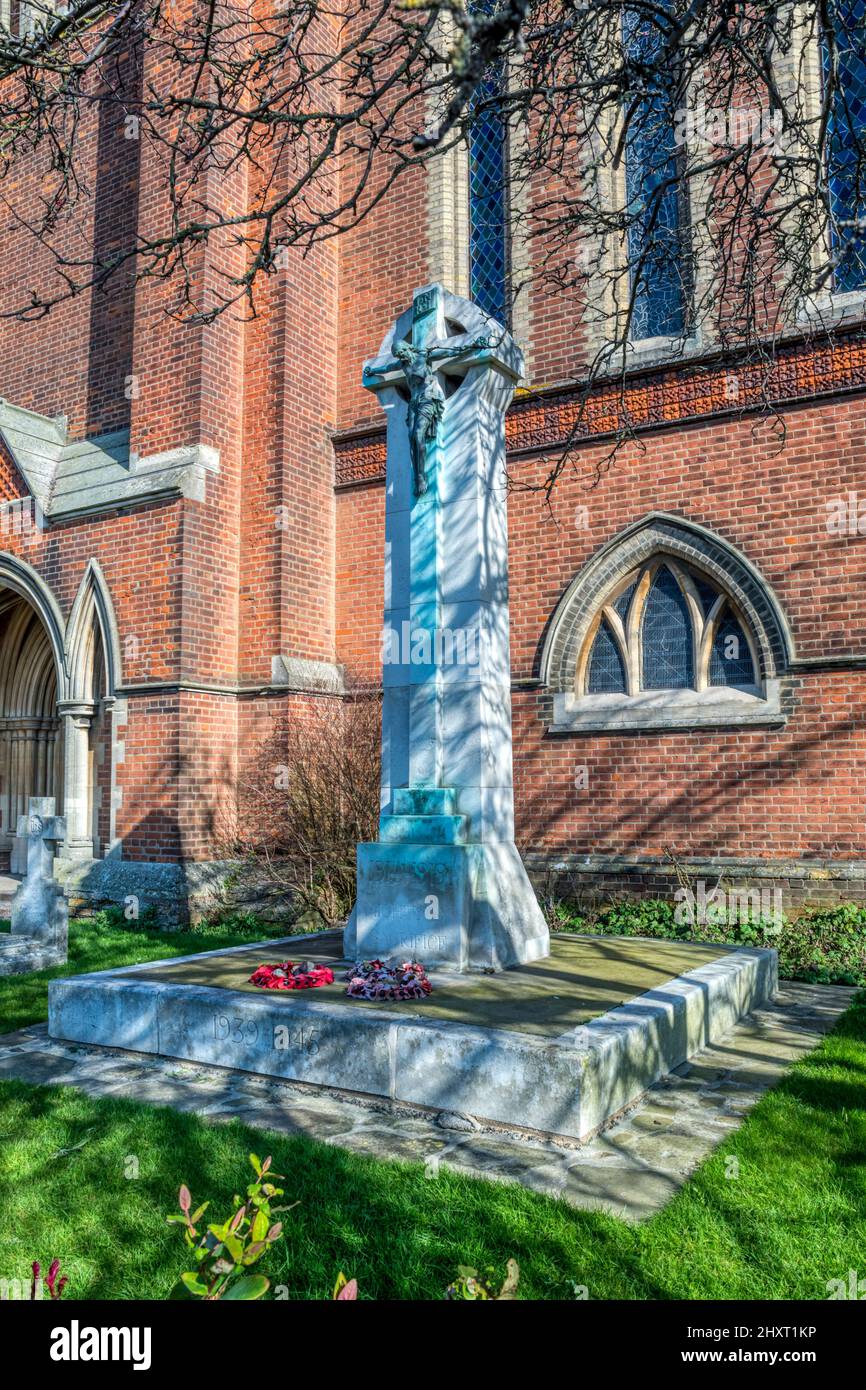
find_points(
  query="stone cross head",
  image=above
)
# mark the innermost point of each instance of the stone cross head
(43, 831)
(415, 361)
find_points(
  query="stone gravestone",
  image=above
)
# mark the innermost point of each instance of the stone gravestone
(445, 883)
(40, 916)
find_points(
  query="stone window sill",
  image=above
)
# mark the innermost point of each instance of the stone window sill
(651, 352)
(830, 310)
(663, 710)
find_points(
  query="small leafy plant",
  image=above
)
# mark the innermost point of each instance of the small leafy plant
(223, 1253)
(54, 1285)
(474, 1287)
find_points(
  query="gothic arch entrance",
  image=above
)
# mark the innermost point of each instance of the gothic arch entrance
(31, 736)
(57, 695)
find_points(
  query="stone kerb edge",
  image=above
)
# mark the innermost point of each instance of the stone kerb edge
(634, 1045)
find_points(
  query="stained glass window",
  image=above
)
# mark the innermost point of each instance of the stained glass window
(846, 136)
(665, 642)
(654, 198)
(621, 604)
(730, 658)
(488, 194)
(606, 671)
(667, 637)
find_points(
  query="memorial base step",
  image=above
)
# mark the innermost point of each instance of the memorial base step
(20, 954)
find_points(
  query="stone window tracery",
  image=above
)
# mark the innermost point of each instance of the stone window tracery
(667, 627)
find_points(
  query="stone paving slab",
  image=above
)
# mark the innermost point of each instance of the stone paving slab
(631, 1169)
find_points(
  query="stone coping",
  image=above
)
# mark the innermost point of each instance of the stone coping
(569, 1087)
(21, 954)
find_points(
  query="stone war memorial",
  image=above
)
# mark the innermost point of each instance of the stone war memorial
(40, 916)
(445, 882)
(514, 1029)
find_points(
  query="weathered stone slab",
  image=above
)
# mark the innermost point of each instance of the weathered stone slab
(509, 1078)
(291, 1037)
(21, 955)
(108, 1010)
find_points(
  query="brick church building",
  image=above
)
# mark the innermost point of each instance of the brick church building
(192, 545)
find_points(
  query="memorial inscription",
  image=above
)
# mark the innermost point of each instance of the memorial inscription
(246, 1032)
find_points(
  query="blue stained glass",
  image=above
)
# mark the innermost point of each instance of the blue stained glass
(706, 593)
(668, 662)
(656, 243)
(846, 177)
(606, 671)
(488, 193)
(621, 604)
(730, 658)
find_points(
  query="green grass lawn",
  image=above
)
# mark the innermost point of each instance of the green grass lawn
(793, 1219)
(97, 945)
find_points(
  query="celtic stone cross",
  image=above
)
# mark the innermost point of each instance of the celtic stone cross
(445, 882)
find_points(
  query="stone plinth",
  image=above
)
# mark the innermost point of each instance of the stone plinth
(563, 1079)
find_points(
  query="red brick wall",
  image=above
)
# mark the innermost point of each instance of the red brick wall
(794, 792)
(273, 563)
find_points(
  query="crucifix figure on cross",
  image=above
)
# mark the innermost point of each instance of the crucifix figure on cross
(418, 360)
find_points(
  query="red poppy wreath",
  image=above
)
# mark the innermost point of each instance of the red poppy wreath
(287, 975)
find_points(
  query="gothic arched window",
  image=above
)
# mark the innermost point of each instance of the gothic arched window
(656, 203)
(667, 627)
(846, 180)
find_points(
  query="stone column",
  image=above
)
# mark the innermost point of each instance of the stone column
(77, 717)
(445, 882)
(18, 854)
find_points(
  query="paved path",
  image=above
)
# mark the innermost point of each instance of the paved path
(631, 1169)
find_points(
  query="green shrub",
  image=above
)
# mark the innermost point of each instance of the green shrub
(821, 945)
(225, 1250)
(113, 916)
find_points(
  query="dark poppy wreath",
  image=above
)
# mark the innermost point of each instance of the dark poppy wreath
(375, 979)
(287, 975)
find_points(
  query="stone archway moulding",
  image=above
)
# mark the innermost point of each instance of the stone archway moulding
(17, 575)
(93, 600)
(74, 648)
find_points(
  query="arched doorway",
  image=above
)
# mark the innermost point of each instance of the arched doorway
(57, 684)
(31, 735)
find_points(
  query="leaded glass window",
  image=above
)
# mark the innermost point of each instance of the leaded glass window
(655, 197)
(606, 668)
(846, 134)
(730, 657)
(666, 644)
(488, 195)
(667, 627)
